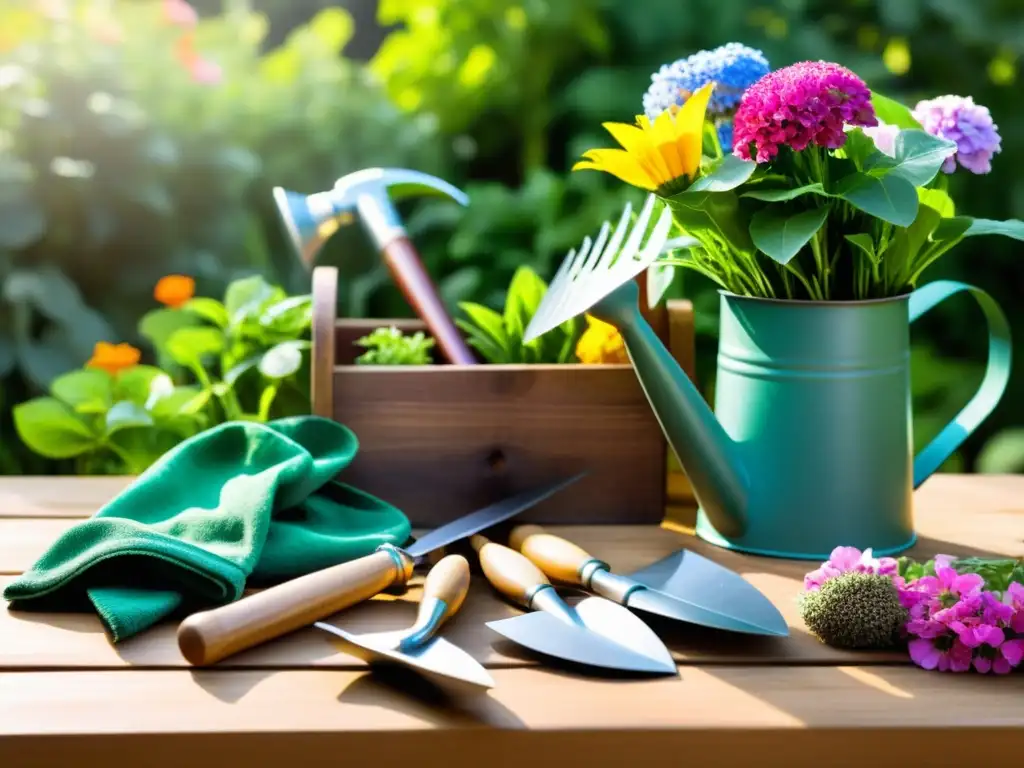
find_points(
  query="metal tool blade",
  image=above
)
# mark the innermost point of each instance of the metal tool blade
(437, 659)
(477, 521)
(618, 624)
(690, 587)
(543, 633)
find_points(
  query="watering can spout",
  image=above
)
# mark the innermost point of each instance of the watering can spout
(709, 456)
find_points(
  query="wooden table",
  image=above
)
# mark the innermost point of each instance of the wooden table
(68, 696)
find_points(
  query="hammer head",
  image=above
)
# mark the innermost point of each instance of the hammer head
(393, 183)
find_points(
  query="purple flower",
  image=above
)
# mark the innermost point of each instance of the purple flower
(969, 125)
(846, 560)
(806, 103)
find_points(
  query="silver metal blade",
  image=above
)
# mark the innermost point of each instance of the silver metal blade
(618, 624)
(436, 658)
(701, 591)
(477, 521)
(543, 633)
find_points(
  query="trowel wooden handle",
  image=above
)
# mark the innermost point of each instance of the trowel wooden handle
(447, 581)
(209, 636)
(508, 571)
(559, 559)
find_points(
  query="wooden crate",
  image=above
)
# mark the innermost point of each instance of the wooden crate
(440, 440)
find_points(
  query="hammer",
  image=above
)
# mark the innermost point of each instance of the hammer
(369, 193)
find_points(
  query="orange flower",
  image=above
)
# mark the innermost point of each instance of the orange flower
(113, 357)
(174, 290)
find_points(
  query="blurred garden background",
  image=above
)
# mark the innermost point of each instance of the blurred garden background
(138, 141)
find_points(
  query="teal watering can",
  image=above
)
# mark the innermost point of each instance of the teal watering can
(809, 446)
(810, 443)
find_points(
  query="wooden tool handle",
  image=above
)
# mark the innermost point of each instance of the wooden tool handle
(508, 571)
(411, 277)
(447, 581)
(559, 559)
(209, 636)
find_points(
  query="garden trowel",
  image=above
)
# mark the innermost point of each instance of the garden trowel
(595, 631)
(417, 647)
(683, 586)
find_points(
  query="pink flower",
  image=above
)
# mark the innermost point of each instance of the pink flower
(949, 586)
(847, 559)
(806, 103)
(946, 655)
(206, 71)
(1001, 660)
(975, 634)
(180, 13)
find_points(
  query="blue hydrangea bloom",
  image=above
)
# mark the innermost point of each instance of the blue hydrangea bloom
(733, 67)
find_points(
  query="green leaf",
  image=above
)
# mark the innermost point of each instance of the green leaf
(292, 315)
(189, 345)
(489, 322)
(158, 325)
(892, 112)
(52, 429)
(172, 403)
(237, 370)
(781, 236)
(918, 157)
(859, 149)
(938, 200)
(865, 244)
(659, 279)
(716, 212)
(88, 390)
(208, 309)
(965, 226)
(781, 195)
(245, 296)
(136, 384)
(281, 361)
(126, 414)
(525, 293)
(891, 198)
(484, 343)
(728, 173)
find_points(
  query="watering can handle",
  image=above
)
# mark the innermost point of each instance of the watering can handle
(997, 373)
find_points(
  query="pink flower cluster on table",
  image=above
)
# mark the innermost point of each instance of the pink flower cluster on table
(954, 624)
(806, 103)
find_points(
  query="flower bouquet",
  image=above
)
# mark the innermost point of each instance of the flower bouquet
(807, 186)
(950, 614)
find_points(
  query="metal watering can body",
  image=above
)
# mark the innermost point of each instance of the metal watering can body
(810, 445)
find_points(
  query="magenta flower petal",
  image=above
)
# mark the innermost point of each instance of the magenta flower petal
(806, 103)
(924, 653)
(1012, 651)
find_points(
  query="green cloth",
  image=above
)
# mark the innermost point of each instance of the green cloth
(241, 504)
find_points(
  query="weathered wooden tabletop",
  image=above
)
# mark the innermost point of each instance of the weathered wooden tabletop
(68, 695)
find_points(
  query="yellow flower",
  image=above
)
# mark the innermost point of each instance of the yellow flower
(174, 290)
(113, 358)
(662, 156)
(600, 343)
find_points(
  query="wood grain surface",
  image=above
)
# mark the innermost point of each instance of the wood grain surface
(68, 694)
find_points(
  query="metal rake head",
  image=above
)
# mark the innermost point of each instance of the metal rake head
(600, 266)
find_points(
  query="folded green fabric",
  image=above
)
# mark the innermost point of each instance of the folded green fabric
(242, 504)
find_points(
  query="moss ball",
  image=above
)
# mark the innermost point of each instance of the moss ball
(854, 610)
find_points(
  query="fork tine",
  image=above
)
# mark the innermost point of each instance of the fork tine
(599, 244)
(658, 237)
(617, 237)
(639, 227)
(581, 257)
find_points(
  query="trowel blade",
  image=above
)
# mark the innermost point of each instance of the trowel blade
(614, 622)
(446, 664)
(689, 587)
(543, 633)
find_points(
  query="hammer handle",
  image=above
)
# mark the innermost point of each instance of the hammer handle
(411, 277)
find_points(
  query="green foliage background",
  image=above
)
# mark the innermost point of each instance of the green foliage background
(116, 168)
